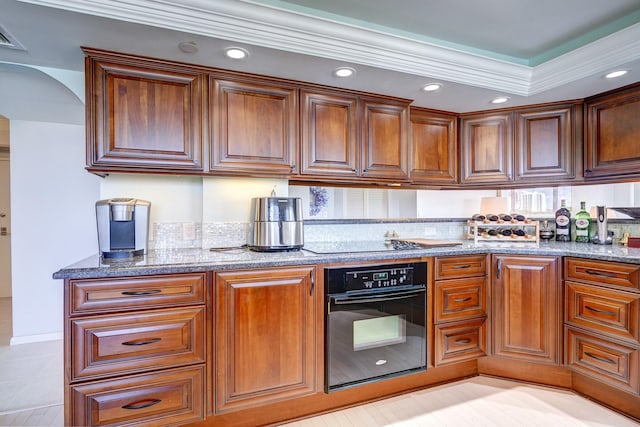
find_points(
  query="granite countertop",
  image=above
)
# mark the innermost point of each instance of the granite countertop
(166, 261)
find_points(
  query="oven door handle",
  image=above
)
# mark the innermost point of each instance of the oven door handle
(338, 300)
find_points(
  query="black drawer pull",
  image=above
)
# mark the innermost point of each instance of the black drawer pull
(142, 342)
(597, 310)
(142, 404)
(462, 341)
(462, 266)
(462, 299)
(600, 273)
(601, 359)
(137, 293)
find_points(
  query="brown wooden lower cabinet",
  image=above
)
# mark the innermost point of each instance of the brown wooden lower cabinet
(526, 296)
(265, 336)
(243, 348)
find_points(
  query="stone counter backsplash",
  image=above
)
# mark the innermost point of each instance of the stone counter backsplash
(184, 235)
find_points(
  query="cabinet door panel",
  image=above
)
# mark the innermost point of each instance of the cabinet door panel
(265, 336)
(458, 341)
(170, 397)
(329, 137)
(605, 360)
(526, 296)
(545, 144)
(613, 131)
(143, 117)
(385, 141)
(460, 298)
(254, 127)
(136, 342)
(604, 310)
(433, 148)
(486, 148)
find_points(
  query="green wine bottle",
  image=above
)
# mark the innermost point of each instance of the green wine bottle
(583, 224)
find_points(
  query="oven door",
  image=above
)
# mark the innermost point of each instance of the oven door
(375, 334)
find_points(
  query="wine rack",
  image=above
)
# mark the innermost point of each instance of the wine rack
(527, 231)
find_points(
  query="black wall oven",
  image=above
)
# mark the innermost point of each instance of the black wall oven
(375, 323)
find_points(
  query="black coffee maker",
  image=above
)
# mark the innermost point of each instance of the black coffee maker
(123, 227)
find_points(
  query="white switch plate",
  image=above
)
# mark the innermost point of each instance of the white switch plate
(188, 231)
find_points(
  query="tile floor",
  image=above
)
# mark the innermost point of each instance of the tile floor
(31, 379)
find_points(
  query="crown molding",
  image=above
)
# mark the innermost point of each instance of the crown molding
(271, 27)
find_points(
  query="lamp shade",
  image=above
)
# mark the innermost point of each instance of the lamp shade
(494, 205)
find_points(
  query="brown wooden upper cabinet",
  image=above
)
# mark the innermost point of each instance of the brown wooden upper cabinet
(613, 134)
(254, 126)
(385, 153)
(143, 114)
(522, 145)
(433, 154)
(486, 147)
(329, 145)
(545, 142)
(346, 136)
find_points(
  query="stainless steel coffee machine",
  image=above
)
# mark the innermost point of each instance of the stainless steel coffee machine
(276, 224)
(123, 227)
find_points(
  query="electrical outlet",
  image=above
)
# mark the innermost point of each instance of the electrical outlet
(430, 231)
(188, 231)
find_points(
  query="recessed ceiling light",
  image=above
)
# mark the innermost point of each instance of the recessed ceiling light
(431, 87)
(188, 47)
(500, 100)
(617, 73)
(236, 53)
(344, 72)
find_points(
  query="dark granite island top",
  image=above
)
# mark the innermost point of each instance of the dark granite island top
(167, 261)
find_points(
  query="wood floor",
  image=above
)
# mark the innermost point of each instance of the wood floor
(31, 395)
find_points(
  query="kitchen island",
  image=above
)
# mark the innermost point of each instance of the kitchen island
(237, 338)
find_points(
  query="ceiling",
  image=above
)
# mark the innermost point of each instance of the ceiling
(530, 51)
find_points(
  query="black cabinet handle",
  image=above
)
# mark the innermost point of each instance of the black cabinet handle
(462, 299)
(463, 341)
(462, 266)
(142, 342)
(601, 359)
(597, 310)
(600, 273)
(498, 269)
(142, 404)
(137, 293)
(588, 171)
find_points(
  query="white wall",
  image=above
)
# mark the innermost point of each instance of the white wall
(53, 220)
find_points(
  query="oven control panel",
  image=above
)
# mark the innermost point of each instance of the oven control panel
(375, 277)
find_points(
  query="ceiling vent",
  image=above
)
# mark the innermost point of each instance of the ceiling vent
(7, 40)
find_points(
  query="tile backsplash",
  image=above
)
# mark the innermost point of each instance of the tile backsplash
(178, 235)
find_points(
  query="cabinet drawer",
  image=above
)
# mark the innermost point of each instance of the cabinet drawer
(458, 341)
(461, 266)
(136, 342)
(167, 398)
(602, 272)
(603, 310)
(460, 298)
(100, 295)
(607, 361)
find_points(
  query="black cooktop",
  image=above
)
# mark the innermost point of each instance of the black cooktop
(357, 246)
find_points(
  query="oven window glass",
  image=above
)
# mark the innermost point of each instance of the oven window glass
(378, 332)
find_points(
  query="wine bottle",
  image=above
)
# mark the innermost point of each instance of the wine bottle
(492, 217)
(478, 217)
(518, 232)
(563, 223)
(518, 217)
(583, 224)
(505, 232)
